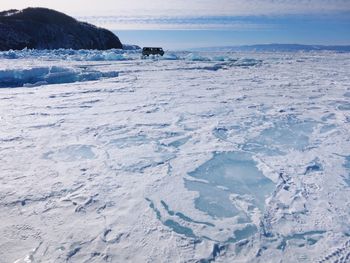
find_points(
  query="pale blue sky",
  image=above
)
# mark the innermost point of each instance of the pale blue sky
(210, 22)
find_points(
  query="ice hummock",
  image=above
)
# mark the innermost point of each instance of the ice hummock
(38, 76)
(132, 53)
(72, 55)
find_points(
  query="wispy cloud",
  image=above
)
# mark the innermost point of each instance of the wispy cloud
(175, 23)
(249, 7)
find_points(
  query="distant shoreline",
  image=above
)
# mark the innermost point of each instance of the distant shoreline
(278, 48)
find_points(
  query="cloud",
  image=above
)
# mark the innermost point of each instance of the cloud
(174, 23)
(186, 7)
(257, 7)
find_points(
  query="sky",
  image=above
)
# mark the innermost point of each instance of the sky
(194, 23)
(186, 7)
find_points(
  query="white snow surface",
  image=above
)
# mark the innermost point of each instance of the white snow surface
(194, 157)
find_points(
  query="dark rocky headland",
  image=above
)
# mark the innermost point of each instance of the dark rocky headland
(42, 28)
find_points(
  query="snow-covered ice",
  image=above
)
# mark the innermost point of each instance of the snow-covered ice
(193, 157)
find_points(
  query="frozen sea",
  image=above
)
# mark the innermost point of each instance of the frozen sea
(193, 157)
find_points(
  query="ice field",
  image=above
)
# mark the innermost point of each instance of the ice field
(193, 157)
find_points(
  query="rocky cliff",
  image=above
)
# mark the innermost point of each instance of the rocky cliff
(41, 28)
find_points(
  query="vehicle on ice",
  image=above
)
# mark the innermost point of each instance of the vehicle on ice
(146, 51)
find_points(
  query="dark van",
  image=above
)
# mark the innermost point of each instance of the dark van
(146, 51)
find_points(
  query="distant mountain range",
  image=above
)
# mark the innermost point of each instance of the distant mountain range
(279, 47)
